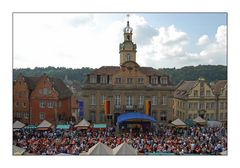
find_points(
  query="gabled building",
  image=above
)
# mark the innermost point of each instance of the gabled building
(41, 98)
(127, 87)
(198, 98)
(22, 89)
(220, 91)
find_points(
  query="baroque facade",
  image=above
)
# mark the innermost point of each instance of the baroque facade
(198, 98)
(127, 87)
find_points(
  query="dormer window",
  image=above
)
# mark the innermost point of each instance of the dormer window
(93, 79)
(164, 80)
(140, 80)
(129, 80)
(103, 79)
(154, 80)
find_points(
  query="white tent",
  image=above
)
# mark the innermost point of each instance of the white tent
(124, 149)
(178, 123)
(44, 125)
(199, 120)
(84, 124)
(223, 153)
(18, 125)
(100, 149)
(18, 151)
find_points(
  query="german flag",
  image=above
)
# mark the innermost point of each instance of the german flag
(107, 107)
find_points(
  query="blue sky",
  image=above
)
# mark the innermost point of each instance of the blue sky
(76, 39)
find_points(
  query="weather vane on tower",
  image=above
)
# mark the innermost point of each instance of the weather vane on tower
(128, 29)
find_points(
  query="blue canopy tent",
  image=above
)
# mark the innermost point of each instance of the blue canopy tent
(134, 116)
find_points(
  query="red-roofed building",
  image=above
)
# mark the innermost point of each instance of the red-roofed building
(41, 98)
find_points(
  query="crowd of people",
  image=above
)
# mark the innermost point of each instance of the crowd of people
(199, 140)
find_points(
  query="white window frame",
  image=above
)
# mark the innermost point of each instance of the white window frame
(93, 99)
(129, 100)
(140, 80)
(154, 100)
(117, 100)
(42, 103)
(141, 100)
(51, 104)
(164, 80)
(154, 80)
(42, 116)
(103, 79)
(129, 80)
(93, 79)
(164, 100)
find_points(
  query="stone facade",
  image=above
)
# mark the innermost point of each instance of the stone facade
(198, 98)
(127, 87)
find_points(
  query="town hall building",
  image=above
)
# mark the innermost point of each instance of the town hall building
(127, 88)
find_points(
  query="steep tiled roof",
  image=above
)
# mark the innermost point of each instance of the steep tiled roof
(106, 70)
(218, 86)
(61, 88)
(110, 70)
(183, 89)
(58, 85)
(31, 82)
(150, 71)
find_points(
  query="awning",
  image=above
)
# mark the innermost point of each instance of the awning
(44, 124)
(84, 124)
(99, 125)
(63, 126)
(18, 125)
(178, 123)
(30, 127)
(134, 115)
(18, 151)
(199, 120)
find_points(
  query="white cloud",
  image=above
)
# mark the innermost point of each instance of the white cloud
(221, 35)
(213, 53)
(88, 41)
(167, 45)
(169, 49)
(203, 40)
(81, 20)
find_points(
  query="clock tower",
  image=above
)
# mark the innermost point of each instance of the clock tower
(127, 49)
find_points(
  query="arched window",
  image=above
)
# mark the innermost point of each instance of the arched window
(128, 57)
